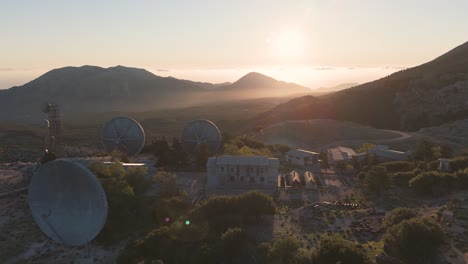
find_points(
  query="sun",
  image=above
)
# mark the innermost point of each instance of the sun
(287, 44)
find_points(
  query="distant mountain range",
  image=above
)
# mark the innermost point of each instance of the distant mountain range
(427, 95)
(89, 89)
(335, 88)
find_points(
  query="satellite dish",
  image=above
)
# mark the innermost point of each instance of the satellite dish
(199, 132)
(67, 202)
(123, 134)
(46, 107)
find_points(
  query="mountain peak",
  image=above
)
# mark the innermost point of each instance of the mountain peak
(255, 78)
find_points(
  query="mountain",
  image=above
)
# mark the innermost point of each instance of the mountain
(257, 85)
(427, 95)
(88, 90)
(336, 88)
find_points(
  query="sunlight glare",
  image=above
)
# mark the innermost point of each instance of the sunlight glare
(287, 44)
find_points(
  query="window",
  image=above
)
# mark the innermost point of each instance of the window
(251, 170)
(232, 169)
(251, 179)
(262, 179)
(232, 178)
(222, 169)
(242, 178)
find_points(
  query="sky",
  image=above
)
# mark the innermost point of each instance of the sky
(314, 43)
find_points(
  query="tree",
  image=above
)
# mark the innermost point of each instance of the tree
(376, 179)
(398, 215)
(179, 156)
(364, 148)
(233, 242)
(167, 184)
(423, 150)
(335, 249)
(136, 179)
(202, 157)
(415, 240)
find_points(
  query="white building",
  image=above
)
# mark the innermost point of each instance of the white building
(242, 171)
(301, 157)
(340, 154)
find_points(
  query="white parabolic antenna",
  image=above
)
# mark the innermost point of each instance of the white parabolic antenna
(67, 202)
(199, 132)
(124, 134)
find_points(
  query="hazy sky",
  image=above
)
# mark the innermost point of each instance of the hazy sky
(219, 41)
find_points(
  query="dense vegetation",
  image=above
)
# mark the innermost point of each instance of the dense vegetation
(415, 240)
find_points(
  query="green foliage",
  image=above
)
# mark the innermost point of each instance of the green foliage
(398, 166)
(415, 240)
(423, 150)
(222, 212)
(169, 156)
(117, 156)
(377, 179)
(398, 215)
(285, 250)
(443, 151)
(135, 177)
(459, 163)
(335, 249)
(433, 183)
(121, 201)
(402, 179)
(365, 147)
(167, 184)
(202, 157)
(233, 241)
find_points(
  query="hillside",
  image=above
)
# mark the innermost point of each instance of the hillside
(318, 133)
(258, 85)
(89, 90)
(427, 95)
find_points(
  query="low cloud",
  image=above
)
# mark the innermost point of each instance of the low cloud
(324, 69)
(163, 70)
(6, 69)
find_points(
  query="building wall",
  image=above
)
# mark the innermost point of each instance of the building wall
(225, 175)
(295, 160)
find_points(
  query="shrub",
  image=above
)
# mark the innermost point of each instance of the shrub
(398, 215)
(398, 166)
(415, 240)
(402, 179)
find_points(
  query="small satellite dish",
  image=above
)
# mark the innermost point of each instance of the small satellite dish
(199, 132)
(67, 202)
(123, 134)
(46, 107)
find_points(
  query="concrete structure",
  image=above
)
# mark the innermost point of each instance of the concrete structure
(384, 154)
(444, 165)
(340, 154)
(242, 171)
(301, 157)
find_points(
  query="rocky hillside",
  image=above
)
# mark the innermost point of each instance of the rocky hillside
(428, 95)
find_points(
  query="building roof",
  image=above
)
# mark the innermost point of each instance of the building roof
(243, 160)
(301, 153)
(341, 153)
(383, 151)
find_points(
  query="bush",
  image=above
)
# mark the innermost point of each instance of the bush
(377, 179)
(459, 163)
(398, 166)
(398, 215)
(415, 240)
(402, 179)
(433, 183)
(335, 249)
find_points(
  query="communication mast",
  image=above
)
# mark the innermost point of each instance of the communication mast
(53, 140)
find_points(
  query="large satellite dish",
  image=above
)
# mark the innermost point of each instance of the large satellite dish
(123, 134)
(67, 202)
(199, 132)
